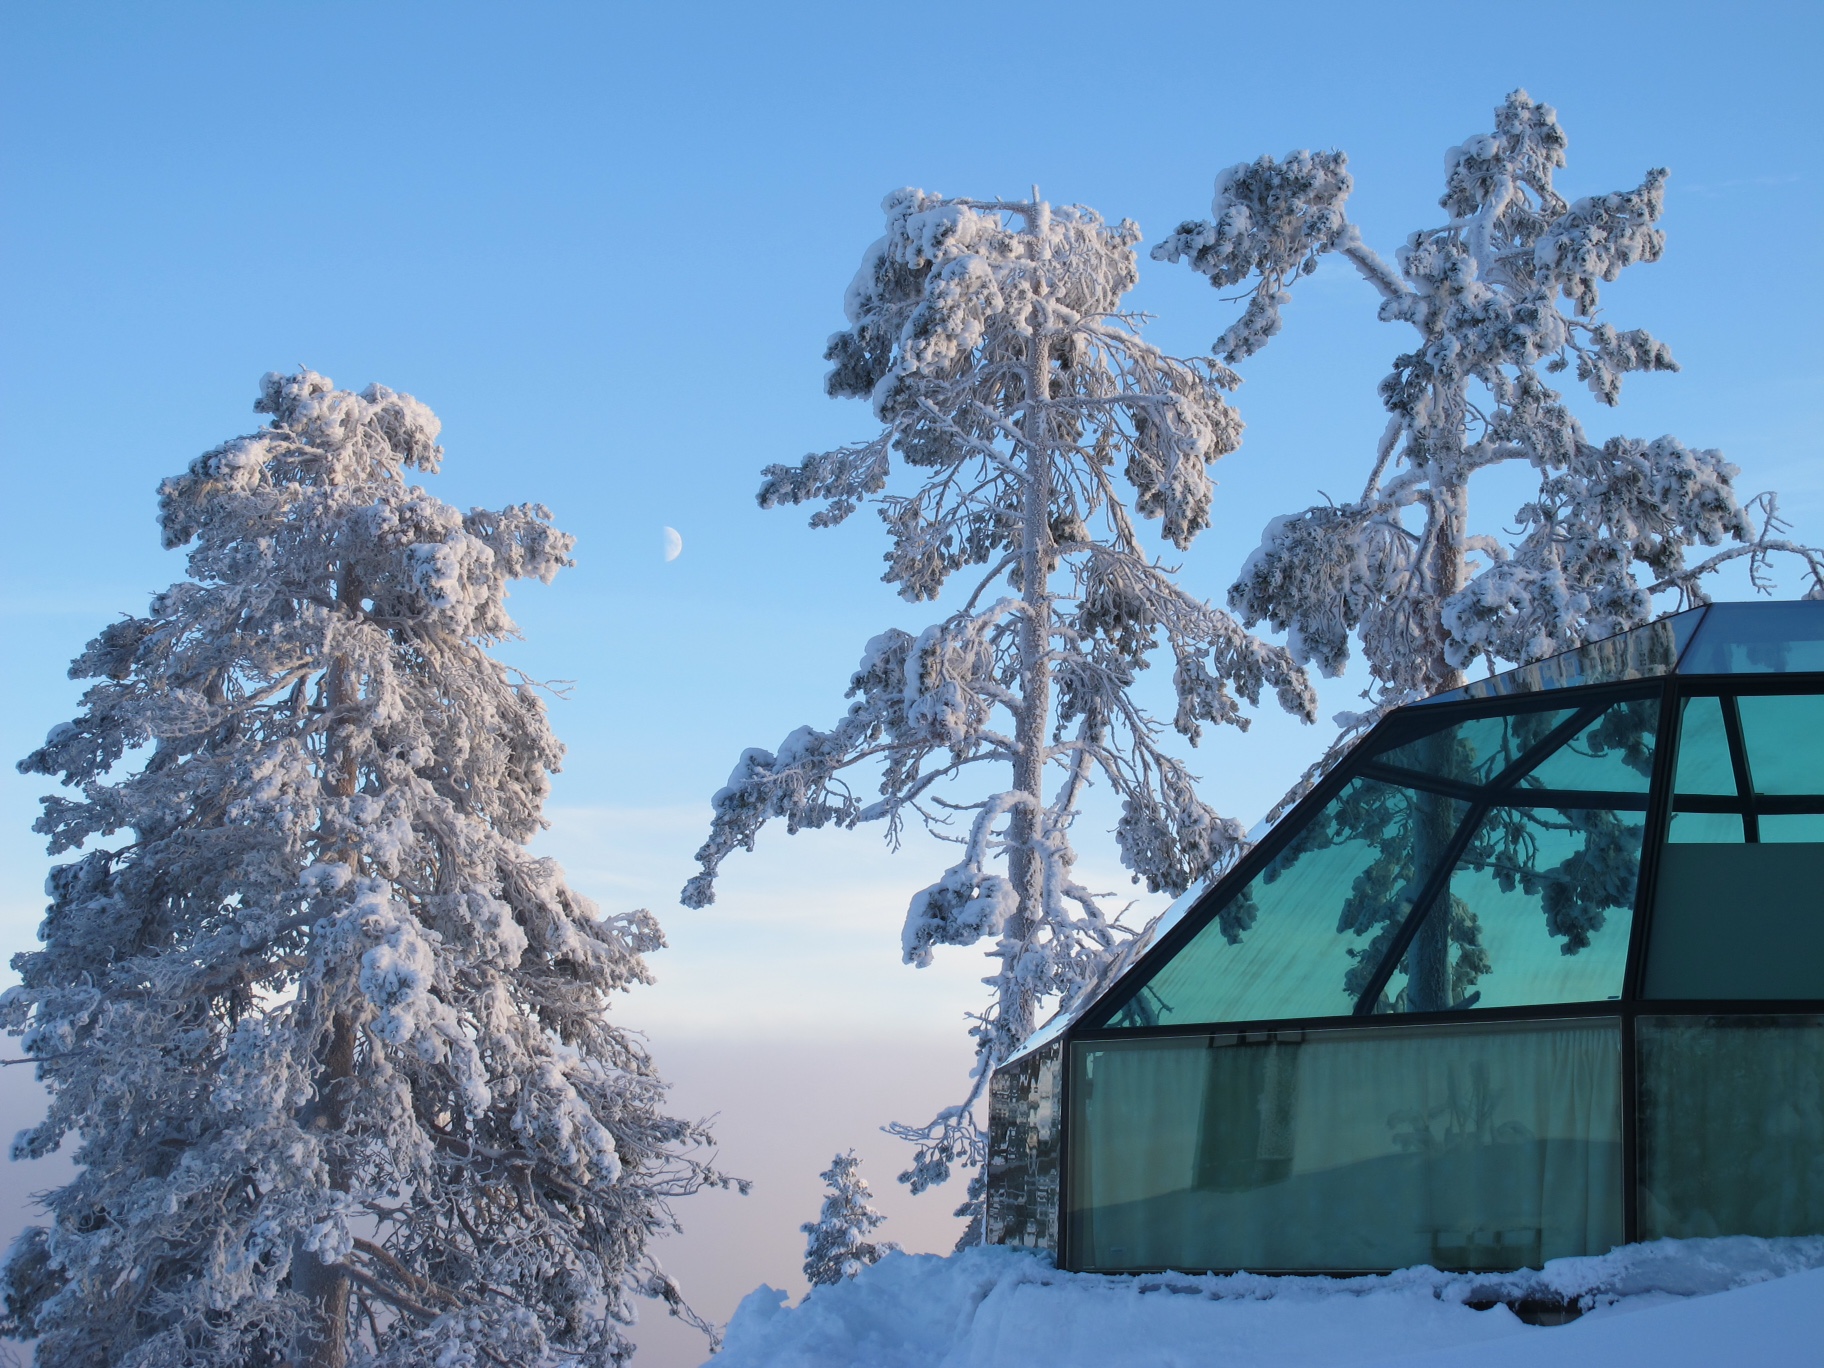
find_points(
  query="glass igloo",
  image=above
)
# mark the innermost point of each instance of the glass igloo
(1537, 970)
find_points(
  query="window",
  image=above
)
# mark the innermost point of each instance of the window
(1756, 638)
(1738, 921)
(1490, 1146)
(1783, 735)
(1540, 902)
(1540, 909)
(1731, 1126)
(1704, 763)
(1540, 814)
(1739, 911)
(1304, 936)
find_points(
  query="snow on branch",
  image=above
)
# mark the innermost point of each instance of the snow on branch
(1504, 294)
(334, 1048)
(838, 1246)
(1028, 430)
(1500, 297)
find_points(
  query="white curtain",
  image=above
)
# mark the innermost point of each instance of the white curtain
(1472, 1146)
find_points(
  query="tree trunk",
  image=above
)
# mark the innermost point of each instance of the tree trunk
(325, 1342)
(1024, 866)
(1428, 958)
(1435, 817)
(1445, 573)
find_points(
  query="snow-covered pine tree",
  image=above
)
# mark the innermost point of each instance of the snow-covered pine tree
(838, 1246)
(990, 339)
(1503, 294)
(333, 1043)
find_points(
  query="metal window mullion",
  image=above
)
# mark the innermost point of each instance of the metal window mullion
(1738, 761)
(1395, 776)
(1435, 883)
(1630, 1133)
(1558, 736)
(1634, 971)
(1612, 800)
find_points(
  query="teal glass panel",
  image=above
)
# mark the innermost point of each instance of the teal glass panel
(1613, 753)
(1785, 827)
(1704, 765)
(1642, 653)
(1478, 750)
(1706, 827)
(1539, 910)
(1784, 736)
(1731, 1126)
(1758, 638)
(1738, 921)
(1304, 936)
(1492, 1146)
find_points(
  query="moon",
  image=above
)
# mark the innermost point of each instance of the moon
(674, 544)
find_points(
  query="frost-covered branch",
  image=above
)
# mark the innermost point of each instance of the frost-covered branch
(838, 1246)
(1029, 420)
(334, 1047)
(1504, 294)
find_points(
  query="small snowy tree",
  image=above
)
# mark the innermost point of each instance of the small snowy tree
(838, 1246)
(989, 338)
(333, 1043)
(1503, 294)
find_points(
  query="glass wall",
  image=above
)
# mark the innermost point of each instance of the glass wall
(1484, 1146)
(1303, 937)
(1540, 814)
(1025, 1126)
(1739, 911)
(1731, 1125)
(1303, 1074)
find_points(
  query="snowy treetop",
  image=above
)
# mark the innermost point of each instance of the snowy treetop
(1033, 426)
(336, 1046)
(1503, 295)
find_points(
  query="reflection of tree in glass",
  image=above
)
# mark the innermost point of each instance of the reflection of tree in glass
(1600, 873)
(1467, 1116)
(1410, 829)
(1645, 651)
(1576, 893)
(1365, 811)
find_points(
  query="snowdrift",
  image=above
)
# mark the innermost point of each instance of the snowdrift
(1662, 1305)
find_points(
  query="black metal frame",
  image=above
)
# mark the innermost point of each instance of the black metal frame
(1587, 702)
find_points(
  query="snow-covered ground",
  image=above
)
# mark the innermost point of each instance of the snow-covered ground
(1663, 1305)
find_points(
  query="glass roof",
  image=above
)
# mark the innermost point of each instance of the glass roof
(1758, 638)
(1510, 844)
(1722, 638)
(1493, 860)
(1642, 653)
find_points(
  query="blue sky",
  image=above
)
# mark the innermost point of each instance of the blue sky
(606, 244)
